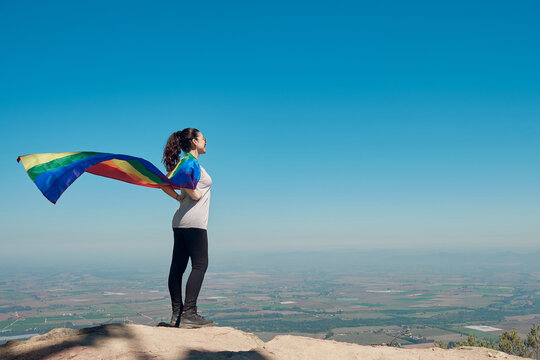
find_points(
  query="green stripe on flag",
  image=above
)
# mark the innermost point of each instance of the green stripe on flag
(35, 171)
(144, 171)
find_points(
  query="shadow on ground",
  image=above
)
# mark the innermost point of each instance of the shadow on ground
(87, 338)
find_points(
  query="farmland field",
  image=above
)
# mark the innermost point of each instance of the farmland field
(370, 303)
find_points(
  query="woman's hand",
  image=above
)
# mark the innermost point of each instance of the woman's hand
(170, 191)
(194, 194)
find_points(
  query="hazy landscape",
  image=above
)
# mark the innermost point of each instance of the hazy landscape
(361, 297)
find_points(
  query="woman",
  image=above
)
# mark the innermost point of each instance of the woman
(189, 227)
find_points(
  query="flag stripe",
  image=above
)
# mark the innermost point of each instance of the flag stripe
(29, 161)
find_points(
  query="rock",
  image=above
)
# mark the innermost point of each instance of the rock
(121, 341)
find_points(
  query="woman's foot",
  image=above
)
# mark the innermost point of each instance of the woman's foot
(192, 320)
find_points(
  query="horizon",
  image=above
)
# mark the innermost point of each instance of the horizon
(352, 260)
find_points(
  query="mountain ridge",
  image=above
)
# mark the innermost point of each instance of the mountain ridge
(131, 341)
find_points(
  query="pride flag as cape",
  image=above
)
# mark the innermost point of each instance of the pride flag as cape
(54, 172)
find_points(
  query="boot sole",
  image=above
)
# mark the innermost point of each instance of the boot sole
(194, 326)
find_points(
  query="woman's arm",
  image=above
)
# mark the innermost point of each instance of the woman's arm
(170, 191)
(194, 194)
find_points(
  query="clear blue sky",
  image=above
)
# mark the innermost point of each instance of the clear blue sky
(330, 125)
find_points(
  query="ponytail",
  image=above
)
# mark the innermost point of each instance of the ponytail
(178, 141)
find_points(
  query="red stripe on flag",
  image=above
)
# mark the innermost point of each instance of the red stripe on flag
(109, 169)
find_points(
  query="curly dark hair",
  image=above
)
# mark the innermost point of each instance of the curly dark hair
(178, 141)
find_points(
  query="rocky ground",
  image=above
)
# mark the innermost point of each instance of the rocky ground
(120, 341)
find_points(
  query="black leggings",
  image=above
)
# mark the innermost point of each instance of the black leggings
(188, 243)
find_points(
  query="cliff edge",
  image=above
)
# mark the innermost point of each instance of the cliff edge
(121, 341)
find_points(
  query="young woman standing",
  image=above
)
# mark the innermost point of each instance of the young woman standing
(189, 227)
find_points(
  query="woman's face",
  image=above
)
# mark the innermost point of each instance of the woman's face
(200, 143)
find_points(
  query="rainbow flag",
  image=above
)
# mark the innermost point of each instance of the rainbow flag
(54, 172)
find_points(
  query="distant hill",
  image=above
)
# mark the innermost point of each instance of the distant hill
(120, 341)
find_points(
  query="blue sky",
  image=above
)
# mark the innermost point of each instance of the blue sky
(330, 125)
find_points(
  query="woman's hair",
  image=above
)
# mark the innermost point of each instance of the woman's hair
(178, 141)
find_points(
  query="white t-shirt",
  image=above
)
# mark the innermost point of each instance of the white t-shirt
(194, 214)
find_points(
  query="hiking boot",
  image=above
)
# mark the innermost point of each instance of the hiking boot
(192, 320)
(175, 319)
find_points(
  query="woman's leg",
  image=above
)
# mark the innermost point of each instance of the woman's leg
(197, 244)
(178, 266)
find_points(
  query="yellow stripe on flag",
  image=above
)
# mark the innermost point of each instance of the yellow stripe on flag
(127, 168)
(29, 161)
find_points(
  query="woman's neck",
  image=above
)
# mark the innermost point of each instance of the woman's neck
(195, 153)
